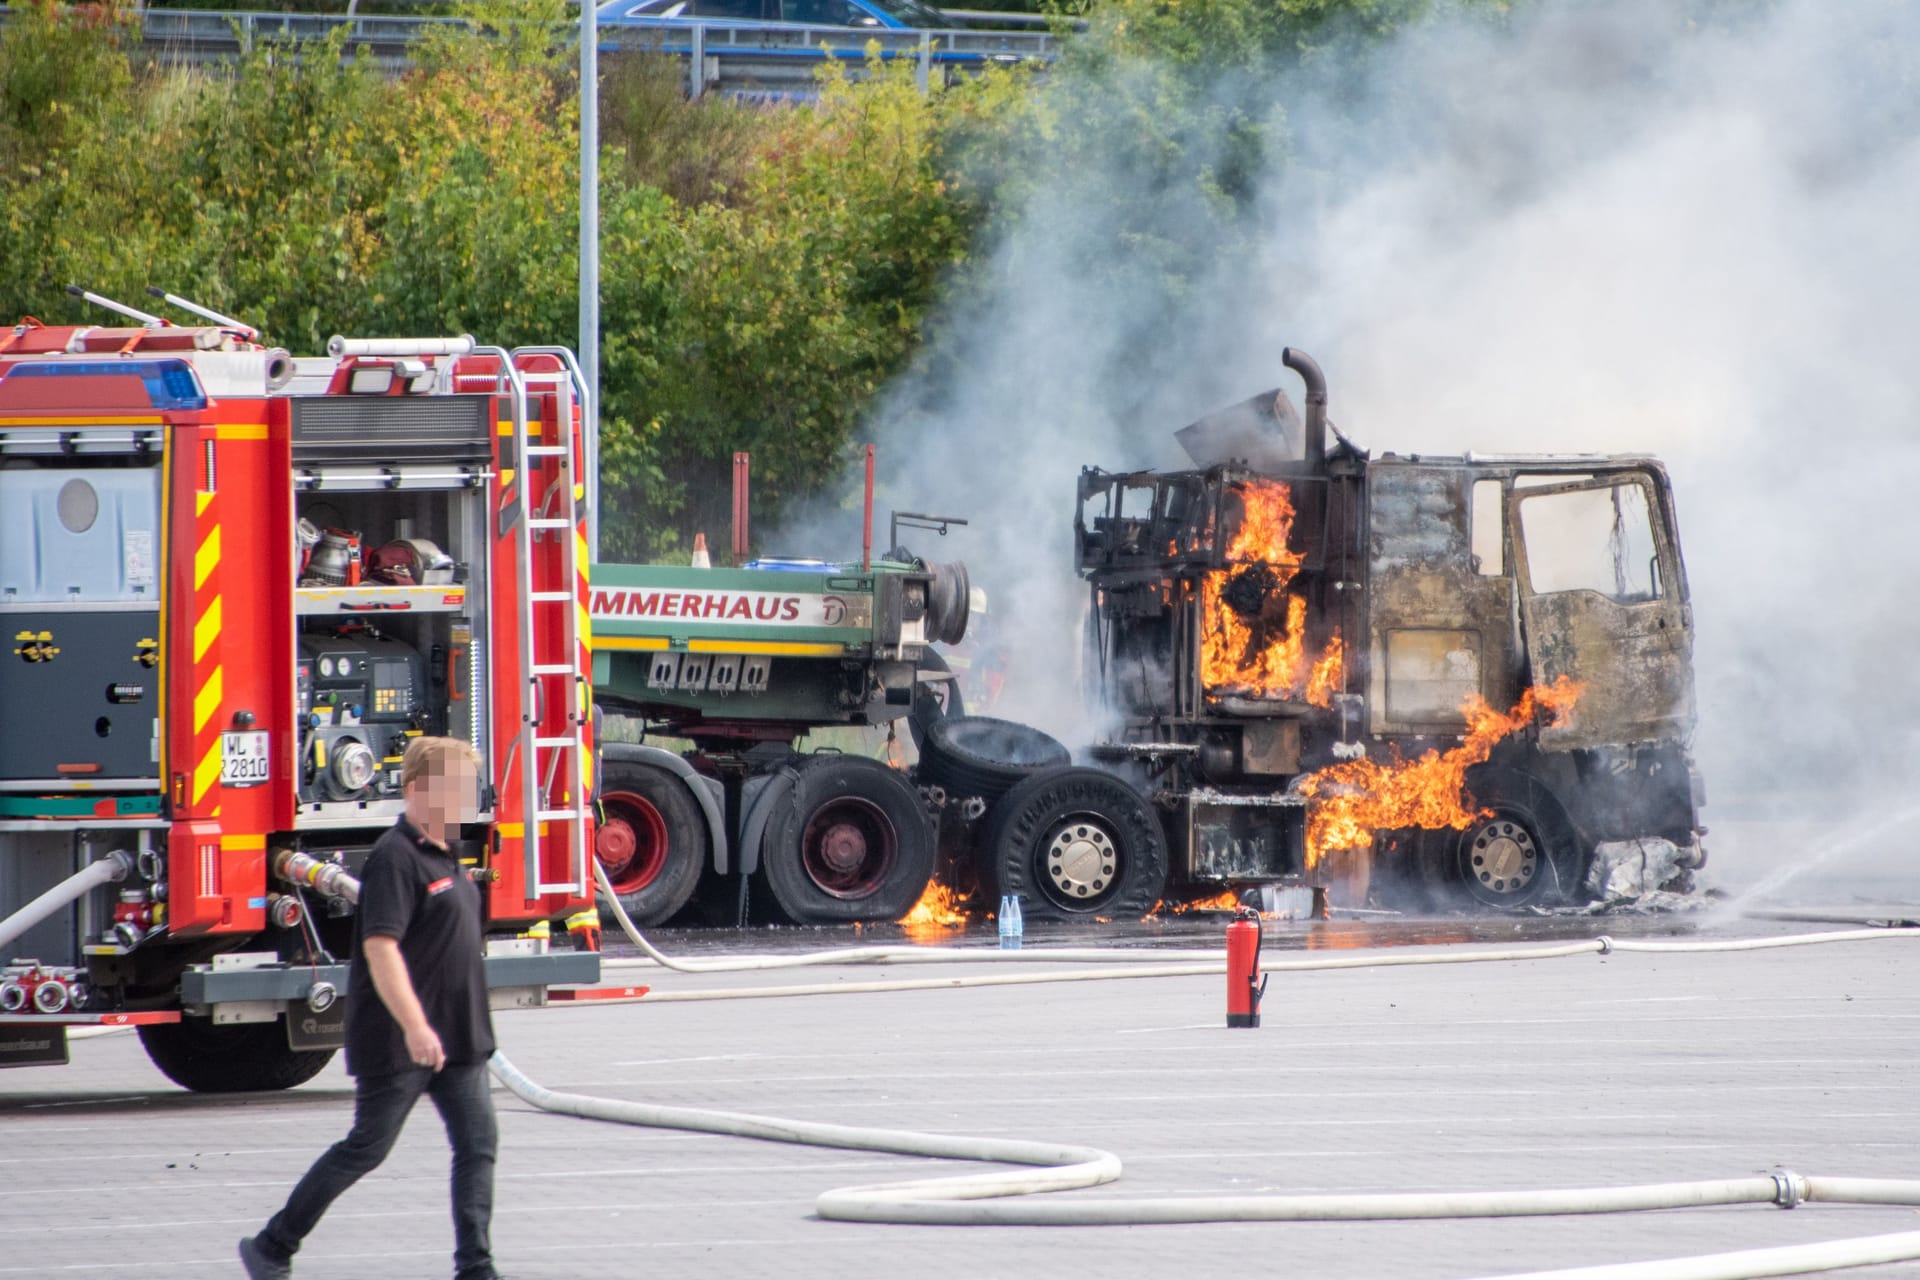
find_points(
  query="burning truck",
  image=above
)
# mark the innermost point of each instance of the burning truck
(1466, 673)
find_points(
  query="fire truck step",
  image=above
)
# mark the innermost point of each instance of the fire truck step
(553, 595)
(553, 669)
(556, 815)
(562, 741)
(545, 450)
(549, 524)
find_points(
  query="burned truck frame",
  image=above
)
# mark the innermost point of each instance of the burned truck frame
(1285, 610)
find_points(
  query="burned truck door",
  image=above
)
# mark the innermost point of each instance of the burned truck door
(1440, 617)
(1603, 601)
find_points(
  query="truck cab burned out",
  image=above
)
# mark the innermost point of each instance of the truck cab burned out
(1450, 678)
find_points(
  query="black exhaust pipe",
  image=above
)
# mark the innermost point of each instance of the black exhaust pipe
(1315, 426)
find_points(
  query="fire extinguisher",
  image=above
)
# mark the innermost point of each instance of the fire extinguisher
(1245, 986)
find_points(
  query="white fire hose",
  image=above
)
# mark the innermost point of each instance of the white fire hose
(959, 1200)
(1138, 963)
(904, 954)
(116, 866)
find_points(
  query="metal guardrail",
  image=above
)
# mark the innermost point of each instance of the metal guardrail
(719, 54)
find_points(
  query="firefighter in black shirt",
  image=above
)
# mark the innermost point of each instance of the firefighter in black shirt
(417, 1019)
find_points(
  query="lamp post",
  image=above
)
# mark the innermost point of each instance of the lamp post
(590, 258)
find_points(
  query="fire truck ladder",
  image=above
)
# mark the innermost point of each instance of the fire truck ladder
(548, 594)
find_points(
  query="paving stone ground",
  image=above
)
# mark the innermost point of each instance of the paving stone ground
(1570, 1072)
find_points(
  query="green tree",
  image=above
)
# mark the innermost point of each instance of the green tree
(765, 270)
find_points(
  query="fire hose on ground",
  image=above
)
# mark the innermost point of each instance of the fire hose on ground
(964, 1200)
(1133, 962)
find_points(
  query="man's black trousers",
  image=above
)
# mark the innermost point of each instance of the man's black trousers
(380, 1108)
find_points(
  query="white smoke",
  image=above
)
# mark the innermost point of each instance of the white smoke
(1599, 227)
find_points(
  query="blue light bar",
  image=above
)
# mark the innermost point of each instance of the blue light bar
(171, 384)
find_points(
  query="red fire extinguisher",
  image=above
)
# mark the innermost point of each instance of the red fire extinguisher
(1245, 986)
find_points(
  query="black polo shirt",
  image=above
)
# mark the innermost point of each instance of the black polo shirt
(413, 890)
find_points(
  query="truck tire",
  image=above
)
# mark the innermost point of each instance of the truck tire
(851, 841)
(244, 1057)
(1520, 852)
(1077, 843)
(983, 756)
(650, 839)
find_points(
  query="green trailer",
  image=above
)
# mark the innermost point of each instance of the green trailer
(742, 663)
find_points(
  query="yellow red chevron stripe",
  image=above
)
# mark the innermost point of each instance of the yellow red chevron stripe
(208, 680)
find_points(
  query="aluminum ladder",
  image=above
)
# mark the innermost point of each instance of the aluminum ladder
(547, 572)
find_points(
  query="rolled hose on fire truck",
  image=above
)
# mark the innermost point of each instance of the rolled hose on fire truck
(958, 1200)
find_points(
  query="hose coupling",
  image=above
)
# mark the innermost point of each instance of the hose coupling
(1606, 944)
(1788, 1188)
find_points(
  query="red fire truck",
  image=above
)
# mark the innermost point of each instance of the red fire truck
(234, 585)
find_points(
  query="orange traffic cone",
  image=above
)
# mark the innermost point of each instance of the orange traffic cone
(701, 560)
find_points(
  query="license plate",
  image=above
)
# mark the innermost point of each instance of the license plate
(244, 760)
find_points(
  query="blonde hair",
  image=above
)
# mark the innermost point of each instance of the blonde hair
(431, 756)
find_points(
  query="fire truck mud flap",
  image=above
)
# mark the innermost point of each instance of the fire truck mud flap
(33, 1044)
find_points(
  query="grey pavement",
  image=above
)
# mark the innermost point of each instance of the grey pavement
(1568, 1072)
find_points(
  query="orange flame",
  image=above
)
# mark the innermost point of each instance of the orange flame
(1225, 900)
(939, 908)
(1351, 801)
(1260, 653)
(1327, 673)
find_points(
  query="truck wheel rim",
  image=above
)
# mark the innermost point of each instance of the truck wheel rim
(1501, 857)
(1080, 862)
(848, 847)
(631, 842)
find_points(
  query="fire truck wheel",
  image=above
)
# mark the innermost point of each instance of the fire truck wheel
(1521, 851)
(982, 756)
(650, 839)
(245, 1057)
(1076, 843)
(850, 841)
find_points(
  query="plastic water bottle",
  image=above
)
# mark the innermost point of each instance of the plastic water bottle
(1010, 922)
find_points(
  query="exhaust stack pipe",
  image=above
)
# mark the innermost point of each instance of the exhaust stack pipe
(1314, 430)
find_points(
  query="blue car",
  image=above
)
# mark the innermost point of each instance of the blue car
(895, 15)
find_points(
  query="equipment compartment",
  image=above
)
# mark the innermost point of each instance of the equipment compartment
(79, 604)
(391, 598)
